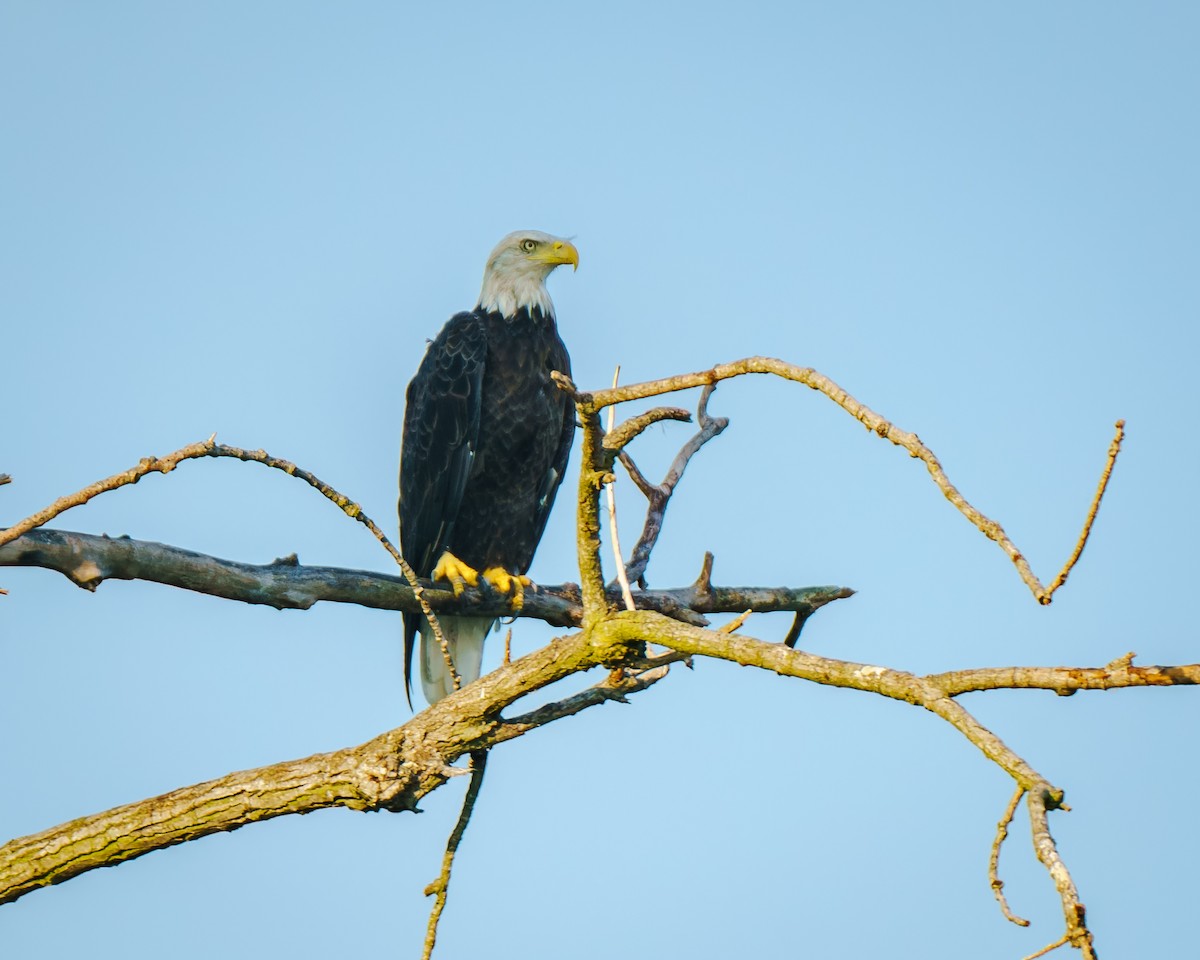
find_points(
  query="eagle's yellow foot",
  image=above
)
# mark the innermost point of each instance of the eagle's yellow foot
(512, 584)
(457, 573)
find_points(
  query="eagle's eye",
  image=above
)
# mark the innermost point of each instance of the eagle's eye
(529, 245)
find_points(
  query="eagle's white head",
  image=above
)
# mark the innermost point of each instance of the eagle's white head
(516, 272)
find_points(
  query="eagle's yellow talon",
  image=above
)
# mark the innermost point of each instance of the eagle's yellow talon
(455, 572)
(513, 584)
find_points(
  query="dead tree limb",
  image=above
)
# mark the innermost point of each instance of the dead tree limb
(395, 769)
(88, 561)
(877, 424)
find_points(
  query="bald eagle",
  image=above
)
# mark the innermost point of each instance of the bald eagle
(486, 438)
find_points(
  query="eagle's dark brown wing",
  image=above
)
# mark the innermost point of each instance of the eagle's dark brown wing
(438, 448)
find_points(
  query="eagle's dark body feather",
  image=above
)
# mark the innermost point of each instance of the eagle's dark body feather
(487, 434)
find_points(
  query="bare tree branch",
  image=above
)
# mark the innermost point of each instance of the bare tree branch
(210, 448)
(599, 399)
(994, 859)
(617, 438)
(1060, 942)
(927, 692)
(390, 772)
(1066, 680)
(88, 560)
(659, 496)
(393, 771)
(1114, 449)
(441, 886)
(1042, 798)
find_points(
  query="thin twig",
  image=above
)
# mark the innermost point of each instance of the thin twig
(622, 579)
(210, 448)
(614, 687)
(1062, 941)
(659, 496)
(618, 438)
(352, 510)
(864, 414)
(1114, 448)
(648, 489)
(994, 859)
(441, 885)
(132, 475)
(508, 647)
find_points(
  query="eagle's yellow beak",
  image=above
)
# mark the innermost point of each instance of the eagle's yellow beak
(558, 252)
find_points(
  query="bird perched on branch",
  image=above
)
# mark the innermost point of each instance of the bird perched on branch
(487, 434)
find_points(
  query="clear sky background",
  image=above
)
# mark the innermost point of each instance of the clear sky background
(247, 218)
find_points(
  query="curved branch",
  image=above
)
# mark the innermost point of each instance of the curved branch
(393, 771)
(994, 859)
(877, 424)
(935, 693)
(210, 448)
(617, 438)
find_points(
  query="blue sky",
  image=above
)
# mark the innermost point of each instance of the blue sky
(247, 219)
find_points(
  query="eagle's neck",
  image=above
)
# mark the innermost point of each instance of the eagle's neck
(507, 294)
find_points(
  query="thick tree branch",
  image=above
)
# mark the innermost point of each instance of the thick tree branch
(88, 560)
(394, 770)
(390, 772)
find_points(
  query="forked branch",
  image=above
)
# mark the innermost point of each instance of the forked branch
(394, 770)
(592, 402)
(659, 495)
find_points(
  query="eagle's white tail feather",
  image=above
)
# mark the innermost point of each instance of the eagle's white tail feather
(464, 636)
